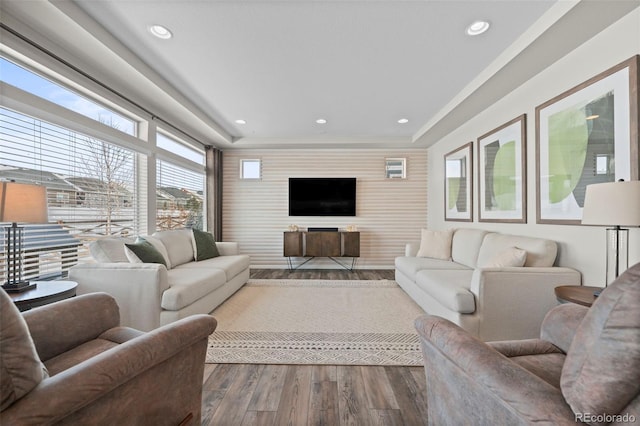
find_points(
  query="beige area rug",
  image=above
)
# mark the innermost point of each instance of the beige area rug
(337, 322)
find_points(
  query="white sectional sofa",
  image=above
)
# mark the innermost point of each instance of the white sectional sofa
(490, 301)
(150, 294)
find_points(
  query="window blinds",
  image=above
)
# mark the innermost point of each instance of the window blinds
(90, 190)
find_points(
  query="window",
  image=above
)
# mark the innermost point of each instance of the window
(96, 178)
(250, 169)
(172, 145)
(395, 168)
(46, 89)
(90, 189)
(179, 197)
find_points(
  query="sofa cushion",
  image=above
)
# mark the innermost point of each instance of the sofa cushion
(465, 245)
(142, 251)
(601, 373)
(435, 244)
(449, 287)
(109, 250)
(204, 245)
(178, 244)
(190, 285)
(20, 366)
(410, 266)
(231, 265)
(78, 354)
(540, 252)
(511, 257)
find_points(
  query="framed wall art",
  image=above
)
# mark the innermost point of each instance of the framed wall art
(502, 175)
(586, 135)
(458, 184)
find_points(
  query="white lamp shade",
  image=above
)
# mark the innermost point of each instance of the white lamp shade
(612, 204)
(23, 203)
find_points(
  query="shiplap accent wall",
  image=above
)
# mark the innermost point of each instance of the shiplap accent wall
(390, 212)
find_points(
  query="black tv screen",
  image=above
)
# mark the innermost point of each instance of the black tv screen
(322, 196)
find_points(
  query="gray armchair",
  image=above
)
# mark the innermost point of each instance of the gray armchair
(585, 367)
(71, 363)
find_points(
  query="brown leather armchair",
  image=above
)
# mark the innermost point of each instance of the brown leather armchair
(97, 372)
(585, 367)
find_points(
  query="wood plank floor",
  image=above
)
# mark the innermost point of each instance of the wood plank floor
(324, 274)
(249, 394)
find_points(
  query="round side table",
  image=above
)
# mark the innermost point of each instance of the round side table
(44, 293)
(582, 295)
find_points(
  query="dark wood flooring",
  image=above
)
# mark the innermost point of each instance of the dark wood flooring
(248, 394)
(324, 274)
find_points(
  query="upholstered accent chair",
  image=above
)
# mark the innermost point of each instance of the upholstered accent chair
(71, 363)
(584, 367)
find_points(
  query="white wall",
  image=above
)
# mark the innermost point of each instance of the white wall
(390, 212)
(581, 247)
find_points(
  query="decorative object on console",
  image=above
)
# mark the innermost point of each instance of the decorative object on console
(586, 135)
(502, 173)
(26, 204)
(614, 204)
(458, 184)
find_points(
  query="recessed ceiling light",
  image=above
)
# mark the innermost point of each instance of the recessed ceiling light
(241, 121)
(160, 31)
(592, 117)
(321, 121)
(477, 28)
(403, 121)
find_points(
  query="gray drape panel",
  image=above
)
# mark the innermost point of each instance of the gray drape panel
(214, 191)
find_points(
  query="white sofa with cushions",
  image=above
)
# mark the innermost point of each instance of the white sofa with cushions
(152, 294)
(495, 286)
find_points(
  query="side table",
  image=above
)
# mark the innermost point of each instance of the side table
(580, 294)
(44, 293)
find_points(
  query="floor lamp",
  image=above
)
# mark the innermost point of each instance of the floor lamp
(26, 204)
(614, 204)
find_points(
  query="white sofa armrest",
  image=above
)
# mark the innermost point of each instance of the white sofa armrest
(137, 287)
(411, 249)
(227, 248)
(512, 302)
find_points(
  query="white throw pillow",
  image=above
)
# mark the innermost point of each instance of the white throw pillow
(436, 244)
(108, 250)
(511, 257)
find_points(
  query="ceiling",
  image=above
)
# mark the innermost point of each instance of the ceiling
(280, 65)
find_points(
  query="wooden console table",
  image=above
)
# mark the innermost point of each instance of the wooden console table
(322, 244)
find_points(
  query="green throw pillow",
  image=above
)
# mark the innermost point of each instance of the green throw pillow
(204, 245)
(146, 252)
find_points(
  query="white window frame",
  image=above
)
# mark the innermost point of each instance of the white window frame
(391, 167)
(243, 169)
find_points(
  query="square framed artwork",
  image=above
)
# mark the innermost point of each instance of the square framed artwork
(586, 135)
(458, 184)
(502, 173)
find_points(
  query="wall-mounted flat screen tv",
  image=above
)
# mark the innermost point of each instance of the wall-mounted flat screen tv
(322, 196)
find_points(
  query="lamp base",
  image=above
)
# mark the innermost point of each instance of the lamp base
(18, 287)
